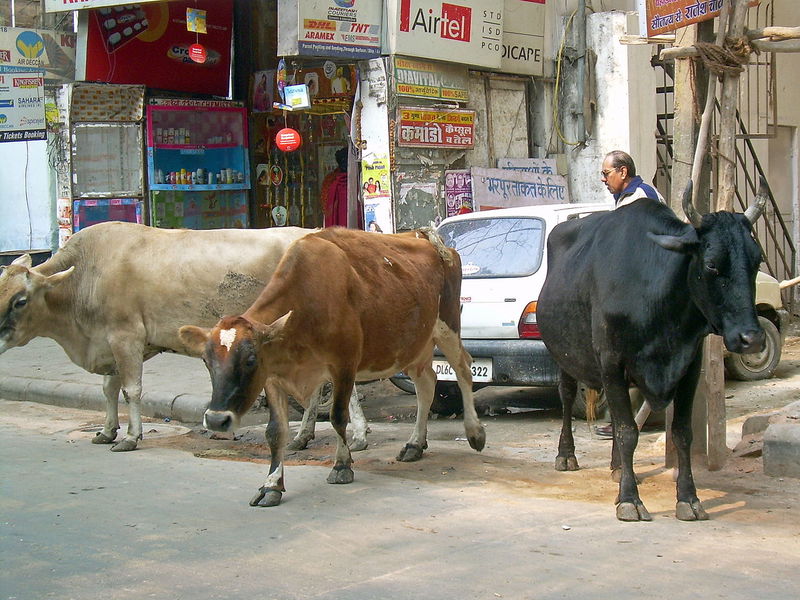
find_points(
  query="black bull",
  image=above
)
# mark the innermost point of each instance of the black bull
(629, 296)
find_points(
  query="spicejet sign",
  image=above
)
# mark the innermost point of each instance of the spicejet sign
(462, 31)
(453, 22)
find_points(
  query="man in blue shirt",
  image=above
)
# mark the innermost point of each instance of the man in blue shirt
(619, 176)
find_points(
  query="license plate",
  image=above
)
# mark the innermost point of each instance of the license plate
(481, 370)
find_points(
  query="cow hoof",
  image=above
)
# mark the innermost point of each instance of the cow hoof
(340, 474)
(410, 453)
(297, 444)
(102, 438)
(566, 463)
(266, 497)
(690, 511)
(358, 445)
(125, 445)
(630, 511)
(478, 441)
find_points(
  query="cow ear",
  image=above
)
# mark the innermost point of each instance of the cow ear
(194, 339)
(23, 261)
(274, 331)
(677, 243)
(58, 278)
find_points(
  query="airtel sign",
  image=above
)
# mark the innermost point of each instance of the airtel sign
(468, 32)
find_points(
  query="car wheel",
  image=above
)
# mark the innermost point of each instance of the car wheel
(404, 383)
(579, 406)
(750, 367)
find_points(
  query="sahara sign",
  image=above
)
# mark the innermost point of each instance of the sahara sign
(62, 5)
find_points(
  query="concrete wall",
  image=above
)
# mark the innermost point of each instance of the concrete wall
(27, 202)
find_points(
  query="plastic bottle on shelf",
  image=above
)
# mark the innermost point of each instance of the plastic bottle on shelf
(159, 176)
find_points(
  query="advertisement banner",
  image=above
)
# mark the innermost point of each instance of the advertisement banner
(469, 32)
(341, 28)
(36, 49)
(22, 106)
(523, 37)
(457, 192)
(503, 188)
(425, 79)
(65, 5)
(662, 16)
(426, 128)
(120, 41)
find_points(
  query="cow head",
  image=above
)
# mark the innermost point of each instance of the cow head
(236, 353)
(22, 300)
(722, 269)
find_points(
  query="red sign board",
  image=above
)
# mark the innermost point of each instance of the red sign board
(198, 53)
(662, 16)
(288, 140)
(148, 44)
(426, 128)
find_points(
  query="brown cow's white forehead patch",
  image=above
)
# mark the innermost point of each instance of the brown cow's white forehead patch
(227, 337)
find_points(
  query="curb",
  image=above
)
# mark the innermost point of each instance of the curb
(187, 408)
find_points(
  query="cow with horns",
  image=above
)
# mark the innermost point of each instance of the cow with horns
(628, 299)
(343, 306)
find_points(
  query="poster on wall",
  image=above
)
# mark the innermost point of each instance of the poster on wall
(429, 128)
(22, 106)
(50, 51)
(114, 44)
(458, 192)
(376, 194)
(426, 79)
(504, 188)
(529, 165)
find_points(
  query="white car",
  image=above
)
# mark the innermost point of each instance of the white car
(504, 264)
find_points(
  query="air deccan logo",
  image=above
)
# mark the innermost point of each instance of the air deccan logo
(453, 22)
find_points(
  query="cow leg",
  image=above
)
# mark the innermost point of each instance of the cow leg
(567, 388)
(128, 353)
(111, 386)
(449, 343)
(277, 432)
(359, 423)
(343, 387)
(425, 383)
(688, 507)
(626, 438)
(306, 432)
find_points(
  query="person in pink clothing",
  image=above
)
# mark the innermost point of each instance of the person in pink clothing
(334, 192)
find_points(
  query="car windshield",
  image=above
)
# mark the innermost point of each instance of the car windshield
(496, 247)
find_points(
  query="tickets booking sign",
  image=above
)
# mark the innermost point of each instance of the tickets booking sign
(65, 5)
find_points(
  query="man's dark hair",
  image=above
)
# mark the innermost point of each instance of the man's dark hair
(341, 158)
(622, 159)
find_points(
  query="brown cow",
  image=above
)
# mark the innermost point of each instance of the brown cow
(343, 306)
(116, 294)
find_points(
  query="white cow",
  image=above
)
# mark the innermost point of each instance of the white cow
(116, 294)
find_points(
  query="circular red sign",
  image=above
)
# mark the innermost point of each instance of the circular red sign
(288, 139)
(197, 53)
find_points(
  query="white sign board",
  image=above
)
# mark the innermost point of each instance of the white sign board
(523, 37)
(22, 106)
(468, 32)
(330, 28)
(502, 188)
(530, 165)
(64, 5)
(39, 49)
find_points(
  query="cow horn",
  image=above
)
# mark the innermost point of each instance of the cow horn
(756, 209)
(688, 208)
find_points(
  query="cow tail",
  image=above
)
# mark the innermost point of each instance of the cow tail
(444, 252)
(591, 396)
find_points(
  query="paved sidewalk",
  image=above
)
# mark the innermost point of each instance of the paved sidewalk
(174, 386)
